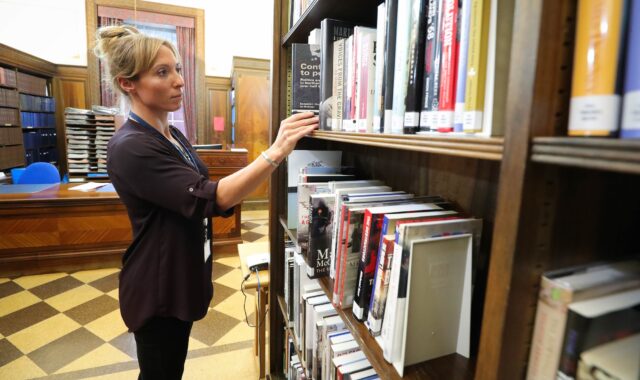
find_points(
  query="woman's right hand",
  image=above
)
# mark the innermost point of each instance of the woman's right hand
(292, 129)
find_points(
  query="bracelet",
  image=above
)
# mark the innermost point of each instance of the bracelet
(268, 159)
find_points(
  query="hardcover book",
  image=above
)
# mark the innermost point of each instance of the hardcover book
(331, 30)
(305, 78)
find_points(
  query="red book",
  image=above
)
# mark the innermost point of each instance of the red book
(448, 67)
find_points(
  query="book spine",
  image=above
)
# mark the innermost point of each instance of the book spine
(289, 81)
(401, 75)
(338, 85)
(448, 68)
(378, 93)
(359, 300)
(461, 81)
(631, 102)
(413, 99)
(380, 286)
(389, 59)
(429, 112)
(595, 96)
(331, 30)
(371, 75)
(347, 122)
(389, 322)
(354, 72)
(351, 260)
(476, 66)
(343, 230)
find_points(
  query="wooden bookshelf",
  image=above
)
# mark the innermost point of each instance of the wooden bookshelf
(547, 201)
(592, 153)
(462, 146)
(362, 12)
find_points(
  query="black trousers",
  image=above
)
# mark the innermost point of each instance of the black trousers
(162, 345)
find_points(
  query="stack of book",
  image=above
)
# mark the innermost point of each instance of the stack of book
(88, 133)
(370, 241)
(587, 323)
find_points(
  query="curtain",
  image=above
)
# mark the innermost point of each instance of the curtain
(108, 96)
(186, 46)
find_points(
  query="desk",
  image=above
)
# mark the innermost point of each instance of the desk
(58, 230)
(245, 250)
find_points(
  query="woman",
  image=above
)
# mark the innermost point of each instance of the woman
(165, 282)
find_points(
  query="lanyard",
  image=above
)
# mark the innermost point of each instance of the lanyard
(182, 150)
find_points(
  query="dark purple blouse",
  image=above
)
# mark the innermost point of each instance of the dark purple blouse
(163, 271)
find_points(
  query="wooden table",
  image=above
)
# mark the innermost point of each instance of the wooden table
(252, 282)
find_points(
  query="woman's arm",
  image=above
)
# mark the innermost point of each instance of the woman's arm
(235, 187)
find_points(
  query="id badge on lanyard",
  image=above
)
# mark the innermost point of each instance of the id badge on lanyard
(207, 240)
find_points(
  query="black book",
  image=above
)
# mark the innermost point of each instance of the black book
(305, 71)
(597, 321)
(390, 57)
(413, 101)
(431, 66)
(320, 229)
(331, 30)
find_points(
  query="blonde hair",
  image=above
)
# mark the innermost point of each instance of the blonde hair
(126, 52)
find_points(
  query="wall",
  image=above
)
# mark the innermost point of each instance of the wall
(232, 28)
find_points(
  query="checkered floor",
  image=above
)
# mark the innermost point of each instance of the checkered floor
(68, 326)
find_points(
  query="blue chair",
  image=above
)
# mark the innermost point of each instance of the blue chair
(39, 173)
(16, 173)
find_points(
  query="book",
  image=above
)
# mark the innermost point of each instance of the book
(463, 49)
(324, 327)
(338, 85)
(432, 58)
(597, 321)
(558, 289)
(437, 321)
(401, 65)
(476, 66)
(309, 328)
(321, 314)
(616, 360)
(365, 75)
(379, 89)
(321, 225)
(389, 60)
(417, 35)
(448, 66)
(345, 371)
(330, 30)
(351, 354)
(395, 309)
(498, 57)
(631, 102)
(305, 85)
(597, 64)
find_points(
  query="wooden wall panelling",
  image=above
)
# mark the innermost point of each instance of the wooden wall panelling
(91, 7)
(251, 83)
(218, 91)
(70, 89)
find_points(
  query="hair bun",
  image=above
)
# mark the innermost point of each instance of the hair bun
(107, 34)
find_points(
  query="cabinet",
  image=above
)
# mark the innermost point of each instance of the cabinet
(250, 111)
(547, 201)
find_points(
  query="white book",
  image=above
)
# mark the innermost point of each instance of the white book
(395, 309)
(438, 300)
(310, 323)
(378, 89)
(348, 369)
(346, 358)
(401, 72)
(363, 374)
(320, 313)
